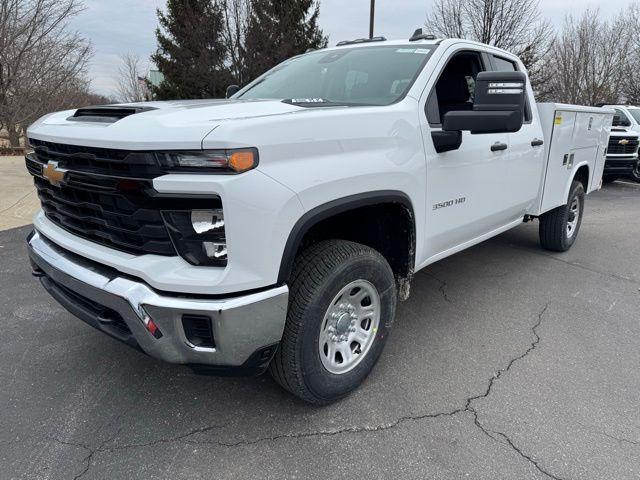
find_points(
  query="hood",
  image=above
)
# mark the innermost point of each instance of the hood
(179, 124)
(622, 132)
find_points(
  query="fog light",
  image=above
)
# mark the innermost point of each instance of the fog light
(215, 250)
(198, 235)
(204, 221)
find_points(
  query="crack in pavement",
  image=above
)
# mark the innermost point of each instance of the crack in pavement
(530, 459)
(468, 408)
(442, 288)
(328, 433)
(85, 447)
(182, 437)
(575, 264)
(92, 452)
(618, 439)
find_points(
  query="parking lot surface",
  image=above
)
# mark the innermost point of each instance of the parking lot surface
(507, 362)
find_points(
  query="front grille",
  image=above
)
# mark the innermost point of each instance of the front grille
(104, 161)
(615, 148)
(104, 197)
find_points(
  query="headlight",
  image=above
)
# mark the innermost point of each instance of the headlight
(230, 161)
(198, 235)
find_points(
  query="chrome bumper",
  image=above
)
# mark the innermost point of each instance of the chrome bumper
(246, 329)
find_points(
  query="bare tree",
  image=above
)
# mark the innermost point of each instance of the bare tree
(132, 86)
(41, 60)
(589, 59)
(236, 21)
(514, 25)
(631, 77)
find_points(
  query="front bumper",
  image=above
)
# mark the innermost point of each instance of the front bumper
(246, 329)
(620, 165)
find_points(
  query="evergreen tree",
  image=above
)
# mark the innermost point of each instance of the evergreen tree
(277, 30)
(191, 52)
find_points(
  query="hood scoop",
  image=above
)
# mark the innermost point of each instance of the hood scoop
(106, 114)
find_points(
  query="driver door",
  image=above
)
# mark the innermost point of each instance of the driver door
(466, 197)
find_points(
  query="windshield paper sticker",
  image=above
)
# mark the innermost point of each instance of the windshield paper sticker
(308, 100)
(423, 51)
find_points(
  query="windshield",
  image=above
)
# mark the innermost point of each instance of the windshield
(378, 75)
(635, 113)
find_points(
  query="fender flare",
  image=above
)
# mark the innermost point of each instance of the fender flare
(334, 207)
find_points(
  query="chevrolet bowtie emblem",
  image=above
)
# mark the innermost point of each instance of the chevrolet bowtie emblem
(54, 174)
(624, 141)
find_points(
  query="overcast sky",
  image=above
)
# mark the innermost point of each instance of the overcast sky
(115, 27)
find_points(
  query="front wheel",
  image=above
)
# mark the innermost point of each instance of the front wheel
(559, 227)
(342, 303)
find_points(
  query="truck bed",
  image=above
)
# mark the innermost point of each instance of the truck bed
(574, 136)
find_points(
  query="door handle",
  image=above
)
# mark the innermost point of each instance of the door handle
(496, 147)
(537, 142)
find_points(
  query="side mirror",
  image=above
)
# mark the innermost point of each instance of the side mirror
(446, 141)
(499, 105)
(232, 90)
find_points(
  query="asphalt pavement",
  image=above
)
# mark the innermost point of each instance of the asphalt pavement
(507, 362)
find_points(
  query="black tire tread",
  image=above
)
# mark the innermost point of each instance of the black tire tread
(552, 224)
(309, 271)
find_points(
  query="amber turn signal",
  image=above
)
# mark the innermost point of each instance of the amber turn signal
(243, 160)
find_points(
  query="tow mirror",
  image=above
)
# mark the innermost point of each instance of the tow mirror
(499, 105)
(232, 90)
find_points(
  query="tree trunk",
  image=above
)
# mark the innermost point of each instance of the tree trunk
(14, 135)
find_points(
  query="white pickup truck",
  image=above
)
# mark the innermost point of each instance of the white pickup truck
(622, 154)
(277, 229)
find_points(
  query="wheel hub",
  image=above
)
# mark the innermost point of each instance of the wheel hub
(349, 326)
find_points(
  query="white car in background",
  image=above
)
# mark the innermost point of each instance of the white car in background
(628, 118)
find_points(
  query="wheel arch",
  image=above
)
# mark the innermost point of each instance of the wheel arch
(581, 173)
(351, 205)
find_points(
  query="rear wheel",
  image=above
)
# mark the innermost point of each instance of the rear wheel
(560, 226)
(342, 303)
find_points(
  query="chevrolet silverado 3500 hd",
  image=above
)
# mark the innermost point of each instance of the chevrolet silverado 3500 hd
(622, 156)
(278, 228)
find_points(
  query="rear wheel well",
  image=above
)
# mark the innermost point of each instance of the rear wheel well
(582, 176)
(387, 227)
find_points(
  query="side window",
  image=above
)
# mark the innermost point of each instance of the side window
(455, 88)
(503, 65)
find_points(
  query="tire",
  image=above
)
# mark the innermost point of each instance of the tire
(302, 363)
(609, 178)
(635, 175)
(559, 227)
